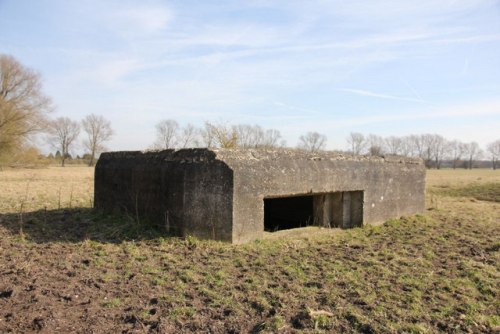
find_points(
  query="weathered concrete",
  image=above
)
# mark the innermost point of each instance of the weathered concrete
(219, 194)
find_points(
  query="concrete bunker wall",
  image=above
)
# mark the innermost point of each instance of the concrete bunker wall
(222, 194)
(187, 192)
(390, 187)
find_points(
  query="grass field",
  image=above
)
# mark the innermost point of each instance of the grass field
(49, 188)
(64, 268)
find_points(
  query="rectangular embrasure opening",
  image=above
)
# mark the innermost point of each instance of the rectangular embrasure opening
(335, 209)
(287, 212)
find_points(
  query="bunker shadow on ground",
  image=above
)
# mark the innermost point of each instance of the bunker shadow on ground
(77, 224)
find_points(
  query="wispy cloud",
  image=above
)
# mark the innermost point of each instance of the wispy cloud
(483, 108)
(391, 11)
(143, 19)
(467, 39)
(381, 96)
(421, 120)
(303, 65)
(114, 71)
(303, 112)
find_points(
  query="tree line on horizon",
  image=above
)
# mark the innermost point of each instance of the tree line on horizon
(434, 149)
(25, 110)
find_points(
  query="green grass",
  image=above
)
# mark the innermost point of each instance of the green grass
(482, 192)
(114, 302)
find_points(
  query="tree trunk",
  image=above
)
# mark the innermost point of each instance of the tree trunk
(92, 155)
(438, 163)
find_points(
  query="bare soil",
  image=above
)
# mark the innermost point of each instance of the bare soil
(73, 270)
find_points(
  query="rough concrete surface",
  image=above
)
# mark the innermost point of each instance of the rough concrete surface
(229, 195)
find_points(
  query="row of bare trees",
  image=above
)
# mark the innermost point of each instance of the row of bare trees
(63, 134)
(432, 148)
(170, 135)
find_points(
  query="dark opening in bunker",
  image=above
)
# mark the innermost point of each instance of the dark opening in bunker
(335, 209)
(287, 212)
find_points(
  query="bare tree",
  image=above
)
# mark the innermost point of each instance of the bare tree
(248, 135)
(407, 147)
(456, 150)
(357, 142)
(394, 145)
(440, 148)
(375, 145)
(62, 135)
(494, 149)
(417, 143)
(23, 106)
(472, 151)
(312, 142)
(427, 149)
(254, 136)
(207, 135)
(98, 131)
(430, 147)
(166, 134)
(188, 136)
(272, 139)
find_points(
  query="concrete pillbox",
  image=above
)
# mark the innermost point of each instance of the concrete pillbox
(234, 195)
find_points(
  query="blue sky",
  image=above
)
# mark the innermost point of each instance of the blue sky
(391, 67)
